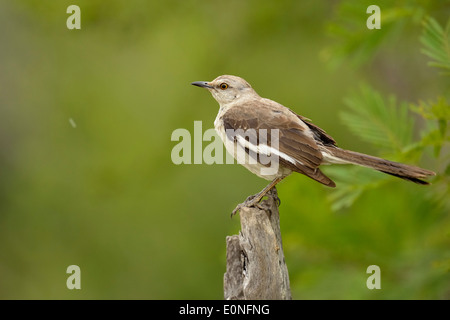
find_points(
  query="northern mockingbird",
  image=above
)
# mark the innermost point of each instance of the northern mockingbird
(257, 127)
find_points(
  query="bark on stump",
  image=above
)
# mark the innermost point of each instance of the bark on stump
(256, 268)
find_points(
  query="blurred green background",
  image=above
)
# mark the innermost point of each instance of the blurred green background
(104, 194)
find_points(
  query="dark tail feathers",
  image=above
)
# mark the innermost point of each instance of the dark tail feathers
(400, 170)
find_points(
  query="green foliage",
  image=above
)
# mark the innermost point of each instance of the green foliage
(401, 225)
(437, 116)
(389, 126)
(353, 182)
(354, 44)
(378, 121)
(437, 135)
(436, 42)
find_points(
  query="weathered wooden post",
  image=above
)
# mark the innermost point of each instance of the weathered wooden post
(255, 260)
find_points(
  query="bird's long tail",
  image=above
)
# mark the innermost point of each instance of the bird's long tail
(400, 170)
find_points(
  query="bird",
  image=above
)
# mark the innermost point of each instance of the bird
(252, 127)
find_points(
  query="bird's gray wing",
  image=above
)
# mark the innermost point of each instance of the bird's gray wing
(298, 148)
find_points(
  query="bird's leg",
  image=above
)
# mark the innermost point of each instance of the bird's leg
(274, 195)
(255, 199)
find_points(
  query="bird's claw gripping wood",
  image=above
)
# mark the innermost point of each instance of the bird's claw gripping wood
(254, 201)
(251, 201)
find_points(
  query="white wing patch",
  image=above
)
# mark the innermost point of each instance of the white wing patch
(265, 150)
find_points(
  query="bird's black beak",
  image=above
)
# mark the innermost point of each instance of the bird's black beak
(202, 84)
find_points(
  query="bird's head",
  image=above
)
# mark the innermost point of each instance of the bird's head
(227, 89)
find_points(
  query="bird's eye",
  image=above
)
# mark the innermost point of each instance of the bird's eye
(223, 86)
